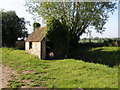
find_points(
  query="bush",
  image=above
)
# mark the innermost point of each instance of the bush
(111, 42)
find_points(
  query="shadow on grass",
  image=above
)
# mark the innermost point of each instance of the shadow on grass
(84, 52)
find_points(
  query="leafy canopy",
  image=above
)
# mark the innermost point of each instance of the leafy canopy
(12, 28)
(77, 16)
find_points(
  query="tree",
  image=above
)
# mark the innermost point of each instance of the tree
(12, 28)
(58, 36)
(76, 16)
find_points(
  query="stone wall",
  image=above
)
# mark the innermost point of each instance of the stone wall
(35, 50)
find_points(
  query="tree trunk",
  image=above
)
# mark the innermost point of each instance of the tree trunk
(74, 40)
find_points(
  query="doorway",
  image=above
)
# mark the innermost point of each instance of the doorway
(49, 49)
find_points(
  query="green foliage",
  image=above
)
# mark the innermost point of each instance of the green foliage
(76, 16)
(102, 41)
(58, 36)
(67, 73)
(111, 42)
(36, 25)
(12, 28)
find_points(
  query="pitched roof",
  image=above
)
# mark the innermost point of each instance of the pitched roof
(37, 35)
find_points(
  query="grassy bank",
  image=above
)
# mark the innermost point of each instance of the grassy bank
(67, 73)
(96, 54)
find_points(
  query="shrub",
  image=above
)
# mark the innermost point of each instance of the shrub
(111, 42)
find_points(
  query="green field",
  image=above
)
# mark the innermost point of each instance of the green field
(93, 41)
(66, 73)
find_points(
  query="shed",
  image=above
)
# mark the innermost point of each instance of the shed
(36, 43)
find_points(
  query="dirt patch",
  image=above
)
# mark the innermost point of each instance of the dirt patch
(27, 72)
(27, 81)
(31, 71)
(7, 73)
(39, 74)
(45, 88)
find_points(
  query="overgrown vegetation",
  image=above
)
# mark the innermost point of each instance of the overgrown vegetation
(66, 73)
(59, 37)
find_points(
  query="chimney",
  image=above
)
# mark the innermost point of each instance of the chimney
(36, 26)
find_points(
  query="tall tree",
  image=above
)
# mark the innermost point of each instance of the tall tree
(12, 28)
(76, 16)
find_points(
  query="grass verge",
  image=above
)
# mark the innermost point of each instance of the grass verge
(67, 73)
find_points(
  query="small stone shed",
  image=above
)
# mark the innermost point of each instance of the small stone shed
(36, 43)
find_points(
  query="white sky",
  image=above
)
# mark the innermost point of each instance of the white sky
(20, 9)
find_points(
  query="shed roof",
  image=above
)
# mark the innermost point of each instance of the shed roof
(36, 35)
